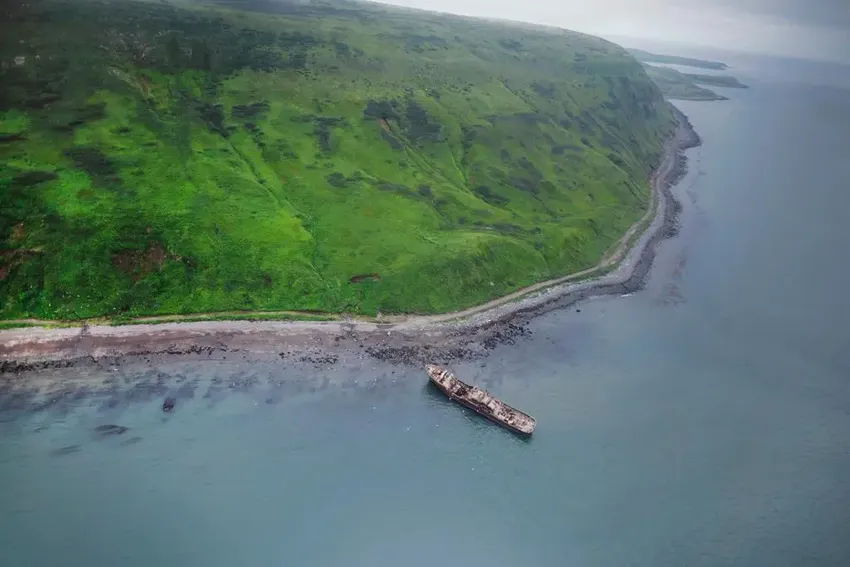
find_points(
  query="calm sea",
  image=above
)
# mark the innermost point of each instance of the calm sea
(703, 421)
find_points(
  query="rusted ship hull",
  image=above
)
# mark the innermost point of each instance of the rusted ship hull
(480, 401)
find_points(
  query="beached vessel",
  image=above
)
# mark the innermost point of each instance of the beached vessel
(480, 401)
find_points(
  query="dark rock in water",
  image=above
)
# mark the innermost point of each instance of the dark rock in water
(168, 404)
(110, 429)
(65, 450)
(578, 310)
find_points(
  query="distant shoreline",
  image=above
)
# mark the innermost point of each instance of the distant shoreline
(650, 57)
(415, 339)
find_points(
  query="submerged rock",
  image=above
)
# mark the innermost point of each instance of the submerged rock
(110, 429)
(67, 450)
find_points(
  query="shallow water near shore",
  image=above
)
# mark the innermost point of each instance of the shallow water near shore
(702, 421)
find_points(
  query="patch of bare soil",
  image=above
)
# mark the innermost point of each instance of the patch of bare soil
(18, 232)
(363, 277)
(139, 263)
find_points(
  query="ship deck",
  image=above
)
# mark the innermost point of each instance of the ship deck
(481, 401)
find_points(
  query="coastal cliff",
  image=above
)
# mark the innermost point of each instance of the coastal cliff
(163, 158)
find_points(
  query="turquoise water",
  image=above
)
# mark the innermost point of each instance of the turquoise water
(702, 421)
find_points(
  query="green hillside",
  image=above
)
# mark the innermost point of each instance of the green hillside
(177, 158)
(648, 57)
(680, 86)
(677, 85)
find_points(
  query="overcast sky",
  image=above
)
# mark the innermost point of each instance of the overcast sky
(818, 29)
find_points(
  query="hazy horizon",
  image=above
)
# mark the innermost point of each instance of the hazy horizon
(817, 29)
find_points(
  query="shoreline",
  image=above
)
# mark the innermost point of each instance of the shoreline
(404, 339)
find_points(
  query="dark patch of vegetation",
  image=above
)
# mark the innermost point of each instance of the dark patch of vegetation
(322, 130)
(337, 180)
(213, 116)
(419, 126)
(560, 149)
(249, 110)
(396, 188)
(392, 140)
(617, 160)
(342, 49)
(526, 177)
(94, 162)
(507, 228)
(469, 136)
(511, 44)
(487, 195)
(33, 178)
(292, 41)
(527, 118)
(381, 110)
(422, 43)
(544, 89)
(79, 116)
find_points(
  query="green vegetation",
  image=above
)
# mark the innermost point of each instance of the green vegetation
(679, 86)
(685, 86)
(648, 57)
(253, 316)
(162, 158)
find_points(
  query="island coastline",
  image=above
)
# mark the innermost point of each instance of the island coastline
(405, 340)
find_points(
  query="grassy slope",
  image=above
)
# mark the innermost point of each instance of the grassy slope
(679, 86)
(685, 86)
(163, 159)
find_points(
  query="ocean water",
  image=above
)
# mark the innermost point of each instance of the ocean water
(702, 421)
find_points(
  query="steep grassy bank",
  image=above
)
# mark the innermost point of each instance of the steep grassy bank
(159, 158)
